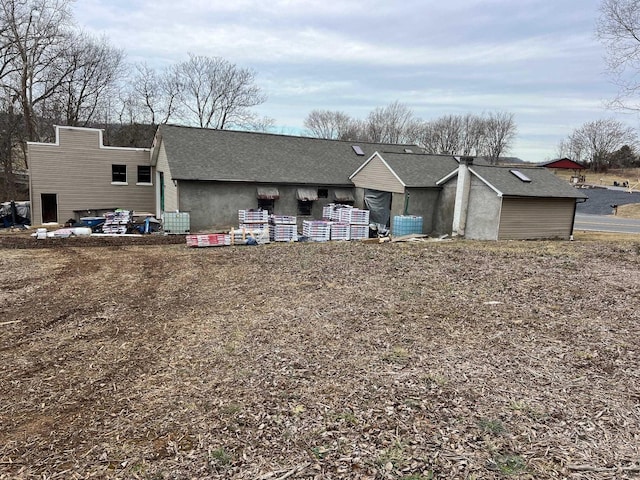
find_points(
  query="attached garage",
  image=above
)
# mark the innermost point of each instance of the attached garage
(510, 203)
(532, 218)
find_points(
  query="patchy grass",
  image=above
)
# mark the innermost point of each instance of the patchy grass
(448, 360)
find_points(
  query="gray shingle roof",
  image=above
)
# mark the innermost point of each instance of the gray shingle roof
(420, 170)
(229, 155)
(543, 182)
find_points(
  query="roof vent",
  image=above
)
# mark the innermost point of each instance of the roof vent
(358, 150)
(520, 175)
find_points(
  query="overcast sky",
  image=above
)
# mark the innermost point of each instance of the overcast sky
(537, 59)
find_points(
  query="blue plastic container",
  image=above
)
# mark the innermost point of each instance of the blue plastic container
(92, 221)
(406, 225)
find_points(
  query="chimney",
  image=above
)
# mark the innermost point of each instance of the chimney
(461, 205)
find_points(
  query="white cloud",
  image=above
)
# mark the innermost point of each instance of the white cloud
(535, 58)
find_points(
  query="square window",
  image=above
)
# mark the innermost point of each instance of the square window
(144, 173)
(119, 173)
(304, 207)
(323, 193)
(266, 204)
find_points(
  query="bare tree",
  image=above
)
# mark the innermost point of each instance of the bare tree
(35, 35)
(328, 124)
(11, 134)
(391, 124)
(93, 68)
(448, 134)
(597, 140)
(500, 132)
(216, 93)
(569, 149)
(469, 134)
(149, 96)
(474, 133)
(618, 28)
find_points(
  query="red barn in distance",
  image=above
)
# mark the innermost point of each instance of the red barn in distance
(567, 164)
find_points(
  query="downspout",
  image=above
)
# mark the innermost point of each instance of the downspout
(573, 219)
(461, 205)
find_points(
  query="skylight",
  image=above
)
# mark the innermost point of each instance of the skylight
(520, 175)
(358, 150)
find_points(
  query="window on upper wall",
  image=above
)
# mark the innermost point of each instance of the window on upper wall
(304, 207)
(118, 174)
(144, 174)
(323, 193)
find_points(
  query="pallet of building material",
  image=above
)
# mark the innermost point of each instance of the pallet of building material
(332, 211)
(340, 231)
(117, 222)
(283, 233)
(114, 229)
(353, 216)
(253, 216)
(359, 232)
(208, 240)
(282, 220)
(241, 236)
(254, 226)
(317, 230)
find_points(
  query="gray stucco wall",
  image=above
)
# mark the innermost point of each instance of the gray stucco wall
(484, 212)
(423, 202)
(443, 220)
(215, 205)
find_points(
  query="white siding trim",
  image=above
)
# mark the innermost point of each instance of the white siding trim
(101, 144)
(366, 162)
(486, 182)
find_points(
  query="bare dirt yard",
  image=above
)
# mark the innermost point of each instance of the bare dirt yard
(447, 360)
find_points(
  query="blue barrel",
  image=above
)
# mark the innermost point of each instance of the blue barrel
(406, 225)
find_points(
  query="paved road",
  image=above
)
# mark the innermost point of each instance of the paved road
(606, 223)
(601, 199)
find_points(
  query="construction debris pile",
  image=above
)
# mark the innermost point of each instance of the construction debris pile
(119, 222)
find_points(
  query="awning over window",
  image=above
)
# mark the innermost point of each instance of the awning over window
(268, 193)
(307, 194)
(343, 195)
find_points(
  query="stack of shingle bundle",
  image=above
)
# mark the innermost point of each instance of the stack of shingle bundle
(317, 230)
(353, 216)
(332, 211)
(253, 219)
(340, 231)
(117, 222)
(208, 240)
(358, 220)
(283, 228)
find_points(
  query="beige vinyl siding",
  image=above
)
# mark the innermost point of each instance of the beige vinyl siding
(171, 203)
(77, 168)
(531, 218)
(375, 175)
